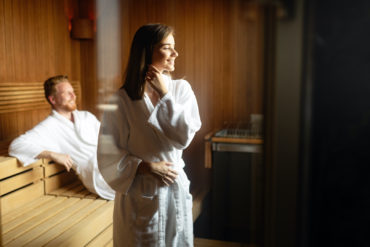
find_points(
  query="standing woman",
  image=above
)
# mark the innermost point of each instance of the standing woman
(150, 121)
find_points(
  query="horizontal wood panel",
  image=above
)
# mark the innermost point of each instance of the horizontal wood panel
(26, 96)
(51, 169)
(16, 182)
(103, 238)
(81, 233)
(31, 219)
(21, 197)
(18, 212)
(66, 224)
(10, 166)
(65, 211)
(59, 180)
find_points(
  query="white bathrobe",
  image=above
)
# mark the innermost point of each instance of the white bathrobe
(79, 140)
(146, 212)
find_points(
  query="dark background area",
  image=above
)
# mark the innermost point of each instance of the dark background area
(340, 124)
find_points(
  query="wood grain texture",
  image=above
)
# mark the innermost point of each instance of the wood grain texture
(34, 45)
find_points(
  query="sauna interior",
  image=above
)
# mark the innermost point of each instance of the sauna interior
(221, 46)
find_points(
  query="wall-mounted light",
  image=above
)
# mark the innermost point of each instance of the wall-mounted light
(82, 29)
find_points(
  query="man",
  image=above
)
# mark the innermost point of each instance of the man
(67, 136)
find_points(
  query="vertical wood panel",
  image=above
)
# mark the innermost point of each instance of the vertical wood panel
(34, 45)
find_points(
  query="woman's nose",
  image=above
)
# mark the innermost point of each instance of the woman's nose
(175, 53)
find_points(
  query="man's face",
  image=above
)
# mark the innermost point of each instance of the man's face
(64, 98)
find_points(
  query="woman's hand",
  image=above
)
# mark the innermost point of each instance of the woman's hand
(156, 81)
(162, 170)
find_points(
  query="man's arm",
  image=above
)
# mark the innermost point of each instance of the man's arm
(59, 158)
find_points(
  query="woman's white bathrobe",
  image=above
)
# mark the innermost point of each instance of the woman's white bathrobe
(79, 140)
(146, 212)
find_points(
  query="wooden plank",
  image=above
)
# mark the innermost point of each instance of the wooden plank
(65, 188)
(51, 223)
(17, 97)
(103, 238)
(36, 220)
(21, 197)
(28, 216)
(51, 169)
(82, 233)
(66, 224)
(82, 193)
(21, 180)
(109, 244)
(18, 212)
(59, 180)
(74, 191)
(10, 166)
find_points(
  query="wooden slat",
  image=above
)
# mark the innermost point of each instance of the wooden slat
(65, 224)
(18, 212)
(21, 180)
(59, 180)
(10, 166)
(74, 190)
(51, 223)
(29, 215)
(38, 219)
(82, 194)
(109, 244)
(26, 96)
(65, 188)
(21, 197)
(103, 238)
(51, 169)
(81, 233)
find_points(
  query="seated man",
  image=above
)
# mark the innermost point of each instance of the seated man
(67, 136)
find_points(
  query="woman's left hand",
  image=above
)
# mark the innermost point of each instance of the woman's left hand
(156, 81)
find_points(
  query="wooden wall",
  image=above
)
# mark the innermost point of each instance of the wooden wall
(34, 45)
(219, 41)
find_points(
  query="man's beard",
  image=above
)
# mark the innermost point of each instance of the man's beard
(71, 106)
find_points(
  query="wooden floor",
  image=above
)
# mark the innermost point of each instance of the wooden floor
(59, 221)
(70, 216)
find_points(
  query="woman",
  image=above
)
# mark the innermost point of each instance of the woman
(151, 120)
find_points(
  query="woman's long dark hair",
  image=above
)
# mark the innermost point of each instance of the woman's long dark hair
(146, 37)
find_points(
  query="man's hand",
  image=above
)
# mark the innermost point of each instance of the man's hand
(61, 159)
(162, 170)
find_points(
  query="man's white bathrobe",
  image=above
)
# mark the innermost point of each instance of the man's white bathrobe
(79, 140)
(146, 212)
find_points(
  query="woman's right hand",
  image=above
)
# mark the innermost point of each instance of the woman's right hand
(162, 170)
(156, 81)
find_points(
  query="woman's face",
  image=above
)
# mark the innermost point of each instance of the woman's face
(164, 54)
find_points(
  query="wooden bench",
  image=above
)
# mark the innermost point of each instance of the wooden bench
(43, 205)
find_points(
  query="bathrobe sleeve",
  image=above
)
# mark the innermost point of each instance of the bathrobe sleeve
(116, 164)
(29, 145)
(176, 115)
